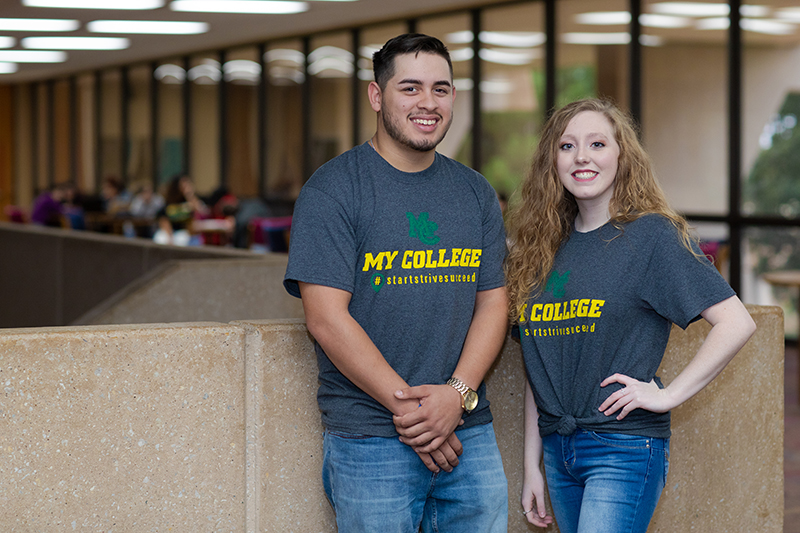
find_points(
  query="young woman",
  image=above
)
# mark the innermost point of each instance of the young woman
(600, 268)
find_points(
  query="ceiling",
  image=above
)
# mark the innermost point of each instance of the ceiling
(225, 30)
(229, 30)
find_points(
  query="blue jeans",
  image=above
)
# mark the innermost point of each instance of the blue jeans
(604, 483)
(379, 484)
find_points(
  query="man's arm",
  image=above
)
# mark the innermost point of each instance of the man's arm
(354, 354)
(440, 412)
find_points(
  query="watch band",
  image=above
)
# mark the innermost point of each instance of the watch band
(469, 398)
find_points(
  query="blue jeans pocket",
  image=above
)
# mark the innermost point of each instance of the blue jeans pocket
(621, 440)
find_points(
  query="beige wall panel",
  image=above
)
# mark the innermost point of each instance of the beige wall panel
(126, 429)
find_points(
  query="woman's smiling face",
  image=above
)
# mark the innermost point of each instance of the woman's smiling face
(587, 160)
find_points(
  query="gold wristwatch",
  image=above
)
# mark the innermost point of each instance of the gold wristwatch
(469, 398)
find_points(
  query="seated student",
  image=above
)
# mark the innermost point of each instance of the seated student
(182, 206)
(47, 209)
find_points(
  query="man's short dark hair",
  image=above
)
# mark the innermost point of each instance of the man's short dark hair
(408, 43)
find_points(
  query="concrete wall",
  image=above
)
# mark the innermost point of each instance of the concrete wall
(214, 427)
(219, 290)
(50, 277)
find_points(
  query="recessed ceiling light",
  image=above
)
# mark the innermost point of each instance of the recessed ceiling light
(651, 20)
(38, 24)
(691, 9)
(165, 27)
(7, 42)
(602, 18)
(76, 43)
(596, 38)
(33, 56)
(272, 7)
(96, 4)
(8, 68)
(170, 74)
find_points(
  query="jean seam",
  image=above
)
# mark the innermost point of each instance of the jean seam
(609, 442)
(640, 496)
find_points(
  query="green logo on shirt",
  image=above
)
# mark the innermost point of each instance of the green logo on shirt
(421, 228)
(557, 284)
(377, 281)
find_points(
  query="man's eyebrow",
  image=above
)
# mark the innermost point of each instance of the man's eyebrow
(413, 81)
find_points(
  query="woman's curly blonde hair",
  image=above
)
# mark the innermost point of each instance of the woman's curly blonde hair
(541, 219)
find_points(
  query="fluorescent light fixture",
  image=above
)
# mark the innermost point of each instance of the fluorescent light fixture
(714, 23)
(792, 14)
(330, 51)
(513, 39)
(206, 73)
(366, 75)
(170, 74)
(76, 43)
(96, 4)
(510, 39)
(270, 7)
(242, 72)
(651, 20)
(331, 67)
(596, 38)
(769, 27)
(604, 18)
(651, 40)
(461, 54)
(691, 9)
(463, 84)
(365, 64)
(285, 54)
(497, 87)
(508, 56)
(155, 27)
(7, 42)
(8, 68)
(39, 24)
(754, 11)
(368, 50)
(33, 56)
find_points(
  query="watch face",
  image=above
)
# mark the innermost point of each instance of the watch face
(471, 400)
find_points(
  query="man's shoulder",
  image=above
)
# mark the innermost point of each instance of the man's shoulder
(337, 171)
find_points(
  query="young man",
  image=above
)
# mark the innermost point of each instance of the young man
(397, 252)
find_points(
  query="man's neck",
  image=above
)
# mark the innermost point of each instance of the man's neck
(399, 156)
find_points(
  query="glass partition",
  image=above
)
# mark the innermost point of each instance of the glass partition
(204, 76)
(331, 65)
(285, 65)
(372, 39)
(242, 74)
(171, 77)
(684, 88)
(455, 32)
(512, 92)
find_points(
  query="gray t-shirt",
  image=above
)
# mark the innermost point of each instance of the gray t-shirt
(608, 307)
(413, 249)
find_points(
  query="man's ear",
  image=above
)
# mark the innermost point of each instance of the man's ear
(375, 96)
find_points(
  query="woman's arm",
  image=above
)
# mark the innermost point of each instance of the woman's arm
(533, 482)
(731, 327)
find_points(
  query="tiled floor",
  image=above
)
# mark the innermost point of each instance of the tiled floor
(791, 449)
